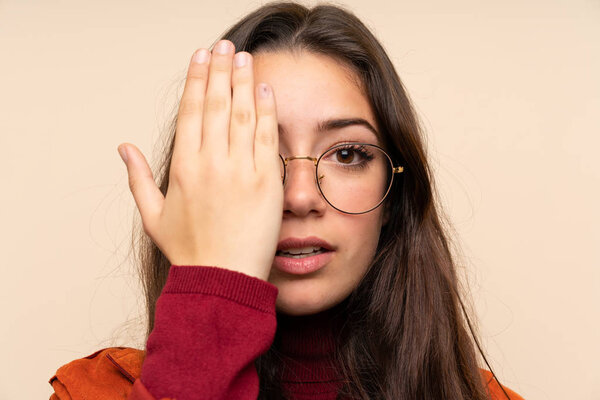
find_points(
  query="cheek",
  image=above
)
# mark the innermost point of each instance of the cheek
(360, 243)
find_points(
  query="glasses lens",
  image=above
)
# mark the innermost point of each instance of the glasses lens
(354, 178)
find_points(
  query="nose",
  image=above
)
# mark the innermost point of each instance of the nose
(301, 194)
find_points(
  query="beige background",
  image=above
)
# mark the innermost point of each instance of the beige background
(509, 94)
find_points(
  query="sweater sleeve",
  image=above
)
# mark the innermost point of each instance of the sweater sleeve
(210, 325)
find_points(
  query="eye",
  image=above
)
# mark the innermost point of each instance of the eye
(352, 154)
(345, 155)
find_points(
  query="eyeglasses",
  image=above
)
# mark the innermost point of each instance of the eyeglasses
(349, 185)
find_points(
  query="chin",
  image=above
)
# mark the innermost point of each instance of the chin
(306, 296)
(297, 304)
(297, 310)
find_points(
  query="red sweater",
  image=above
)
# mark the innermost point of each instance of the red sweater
(210, 325)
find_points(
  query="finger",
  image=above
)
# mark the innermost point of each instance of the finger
(266, 141)
(148, 197)
(217, 104)
(243, 114)
(188, 134)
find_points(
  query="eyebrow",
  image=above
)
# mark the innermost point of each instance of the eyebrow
(337, 123)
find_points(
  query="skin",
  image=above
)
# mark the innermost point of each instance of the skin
(225, 205)
(321, 88)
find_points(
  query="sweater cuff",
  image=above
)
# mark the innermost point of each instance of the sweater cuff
(233, 285)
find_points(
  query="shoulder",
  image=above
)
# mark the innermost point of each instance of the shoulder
(106, 374)
(494, 388)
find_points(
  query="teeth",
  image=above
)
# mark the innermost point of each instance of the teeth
(301, 255)
(305, 250)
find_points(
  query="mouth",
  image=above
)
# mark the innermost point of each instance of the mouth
(300, 254)
(305, 263)
(303, 255)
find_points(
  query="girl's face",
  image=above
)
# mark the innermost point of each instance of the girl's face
(310, 88)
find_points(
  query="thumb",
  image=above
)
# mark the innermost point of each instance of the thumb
(148, 197)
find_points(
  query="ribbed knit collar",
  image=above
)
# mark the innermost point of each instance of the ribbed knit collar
(307, 344)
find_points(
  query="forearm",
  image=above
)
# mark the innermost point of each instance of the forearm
(210, 325)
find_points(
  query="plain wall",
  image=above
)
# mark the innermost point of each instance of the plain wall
(509, 96)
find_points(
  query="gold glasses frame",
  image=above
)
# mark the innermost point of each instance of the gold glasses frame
(395, 170)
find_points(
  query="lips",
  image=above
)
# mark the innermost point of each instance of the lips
(298, 243)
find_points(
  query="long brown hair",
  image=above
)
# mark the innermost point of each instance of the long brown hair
(406, 328)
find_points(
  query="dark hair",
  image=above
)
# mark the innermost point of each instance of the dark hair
(405, 336)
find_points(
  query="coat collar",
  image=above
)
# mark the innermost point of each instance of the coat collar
(127, 360)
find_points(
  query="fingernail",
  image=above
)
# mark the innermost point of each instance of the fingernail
(240, 59)
(263, 90)
(223, 47)
(201, 56)
(123, 154)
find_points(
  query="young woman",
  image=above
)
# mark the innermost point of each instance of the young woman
(293, 248)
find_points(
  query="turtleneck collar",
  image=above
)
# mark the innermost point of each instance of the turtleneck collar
(309, 336)
(307, 344)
